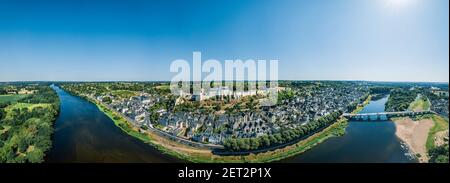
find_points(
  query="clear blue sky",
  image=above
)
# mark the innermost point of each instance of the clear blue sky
(382, 40)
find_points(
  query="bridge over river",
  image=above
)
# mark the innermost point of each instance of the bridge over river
(384, 115)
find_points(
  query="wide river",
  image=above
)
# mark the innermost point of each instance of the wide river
(363, 142)
(85, 134)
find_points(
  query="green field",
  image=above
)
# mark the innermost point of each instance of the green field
(11, 98)
(163, 87)
(420, 104)
(27, 106)
(123, 93)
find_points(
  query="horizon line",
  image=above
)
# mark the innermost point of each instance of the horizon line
(93, 81)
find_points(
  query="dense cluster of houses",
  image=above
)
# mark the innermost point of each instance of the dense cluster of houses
(135, 108)
(440, 104)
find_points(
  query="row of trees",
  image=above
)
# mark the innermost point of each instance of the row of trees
(3, 91)
(25, 135)
(280, 138)
(285, 95)
(379, 92)
(44, 95)
(2, 109)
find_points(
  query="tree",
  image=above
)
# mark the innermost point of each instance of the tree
(286, 136)
(35, 156)
(241, 144)
(2, 113)
(399, 99)
(30, 130)
(106, 100)
(234, 145)
(254, 143)
(273, 140)
(279, 138)
(439, 154)
(265, 141)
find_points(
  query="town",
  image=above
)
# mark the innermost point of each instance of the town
(222, 121)
(241, 117)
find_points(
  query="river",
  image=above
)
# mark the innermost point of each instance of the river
(85, 134)
(363, 142)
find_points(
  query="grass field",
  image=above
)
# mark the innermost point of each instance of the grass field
(26, 105)
(22, 106)
(11, 98)
(124, 93)
(163, 87)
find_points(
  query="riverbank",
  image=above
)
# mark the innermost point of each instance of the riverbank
(414, 134)
(206, 156)
(162, 144)
(361, 106)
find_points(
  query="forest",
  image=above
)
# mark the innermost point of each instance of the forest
(400, 99)
(439, 154)
(26, 126)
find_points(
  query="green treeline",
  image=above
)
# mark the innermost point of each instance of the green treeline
(285, 95)
(280, 138)
(2, 110)
(44, 95)
(439, 154)
(399, 99)
(379, 92)
(26, 126)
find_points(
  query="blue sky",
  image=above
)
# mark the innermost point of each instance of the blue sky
(381, 40)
